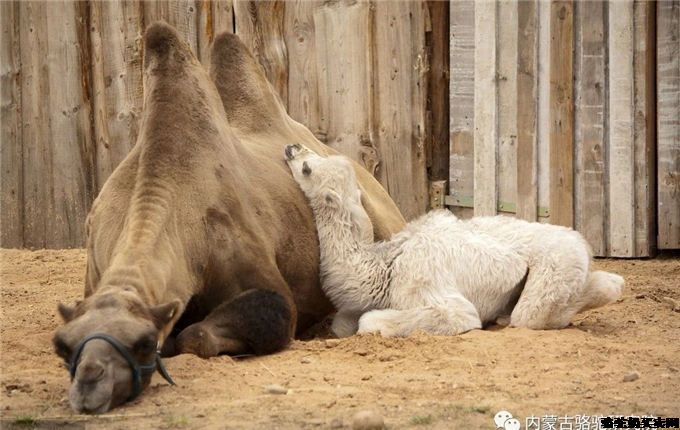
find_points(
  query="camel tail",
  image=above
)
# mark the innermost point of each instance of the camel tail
(601, 289)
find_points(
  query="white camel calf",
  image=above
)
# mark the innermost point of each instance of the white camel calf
(440, 274)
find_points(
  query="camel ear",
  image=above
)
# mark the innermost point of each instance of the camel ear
(66, 311)
(163, 314)
(332, 199)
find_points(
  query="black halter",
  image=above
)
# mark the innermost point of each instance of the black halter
(138, 370)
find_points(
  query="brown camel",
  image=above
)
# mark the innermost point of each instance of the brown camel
(200, 234)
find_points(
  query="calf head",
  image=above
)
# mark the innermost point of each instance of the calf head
(109, 342)
(330, 184)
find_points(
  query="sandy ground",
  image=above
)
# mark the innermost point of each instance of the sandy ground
(419, 382)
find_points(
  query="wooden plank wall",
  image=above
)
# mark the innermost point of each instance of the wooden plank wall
(357, 73)
(668, 122)
(553, 117)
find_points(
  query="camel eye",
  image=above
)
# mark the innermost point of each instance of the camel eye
(61, 348)
(146, 345)
(306, 170)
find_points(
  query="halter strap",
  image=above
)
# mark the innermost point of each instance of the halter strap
(137, 369)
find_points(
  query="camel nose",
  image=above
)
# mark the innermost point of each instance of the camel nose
(89, 372)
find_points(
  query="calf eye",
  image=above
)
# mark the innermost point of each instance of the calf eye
(306, 170)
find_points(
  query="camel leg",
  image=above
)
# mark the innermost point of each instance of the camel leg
(554, 287)
(454, 316)
(255, 321)
(601, 289)
(345, 323)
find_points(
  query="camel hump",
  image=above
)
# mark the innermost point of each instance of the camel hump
(161, 40)
(248, 98)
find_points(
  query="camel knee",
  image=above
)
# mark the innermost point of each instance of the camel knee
(601, 289)
(256, 321)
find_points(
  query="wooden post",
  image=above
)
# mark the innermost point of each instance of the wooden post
(527, 110)
(461, 103)
(590, 124)
(486, 133)
(621, 117)
(561, 114)
(668, 123)
(11, 173)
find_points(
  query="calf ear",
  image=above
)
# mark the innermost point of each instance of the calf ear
(67, 312)
(332, 198)
(163, 314)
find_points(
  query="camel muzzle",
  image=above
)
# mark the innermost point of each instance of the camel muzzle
(138, 370)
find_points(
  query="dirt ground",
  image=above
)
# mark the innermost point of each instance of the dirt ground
(419, 382)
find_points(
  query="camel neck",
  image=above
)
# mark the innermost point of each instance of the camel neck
(352, 275)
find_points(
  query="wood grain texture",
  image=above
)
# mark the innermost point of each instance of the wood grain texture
(507, 60)
(461, 103)
(437, 41)
(527, 110)
(561, 113)
(344, 75)
(543, 115)
(214, 17)
(116, 55)
(303, 80)
(644, 128)
(668, 123)
(11, 178)
(590, 209)
(485, 108)
(71, 147)
(37, 162)
(259, 24)
(620, 149)
(399, 111)
(181, 14)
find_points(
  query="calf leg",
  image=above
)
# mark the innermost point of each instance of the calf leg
(451, 317)
(554, 287)
(345, 323)
(256, 321)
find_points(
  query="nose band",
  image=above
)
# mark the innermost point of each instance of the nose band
(138, 370)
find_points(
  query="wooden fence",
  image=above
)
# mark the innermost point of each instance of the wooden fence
(553, 118)
(551, 113)
(72, 93)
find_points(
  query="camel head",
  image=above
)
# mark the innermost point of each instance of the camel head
(330, 184)
(110, 343)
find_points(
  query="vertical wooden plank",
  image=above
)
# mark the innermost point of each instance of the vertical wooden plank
(668, 123)
(543, 144)
(485, 134)
(507, 60)
(303, 82)
(644, 127)
(589, 124)
(260, 27)
(399, 110)
(437, 40)
(561, 114)
(214, 17)
(11, 179)
(621, 155)
(35, 94)
(461, 102)
(71, 173)
(527, 106)
(343, 66)
(181, 14)
(116, 57)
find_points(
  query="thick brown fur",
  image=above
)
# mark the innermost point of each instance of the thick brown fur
(203, 209)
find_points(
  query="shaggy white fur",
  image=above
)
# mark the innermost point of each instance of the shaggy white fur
(440, 274)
